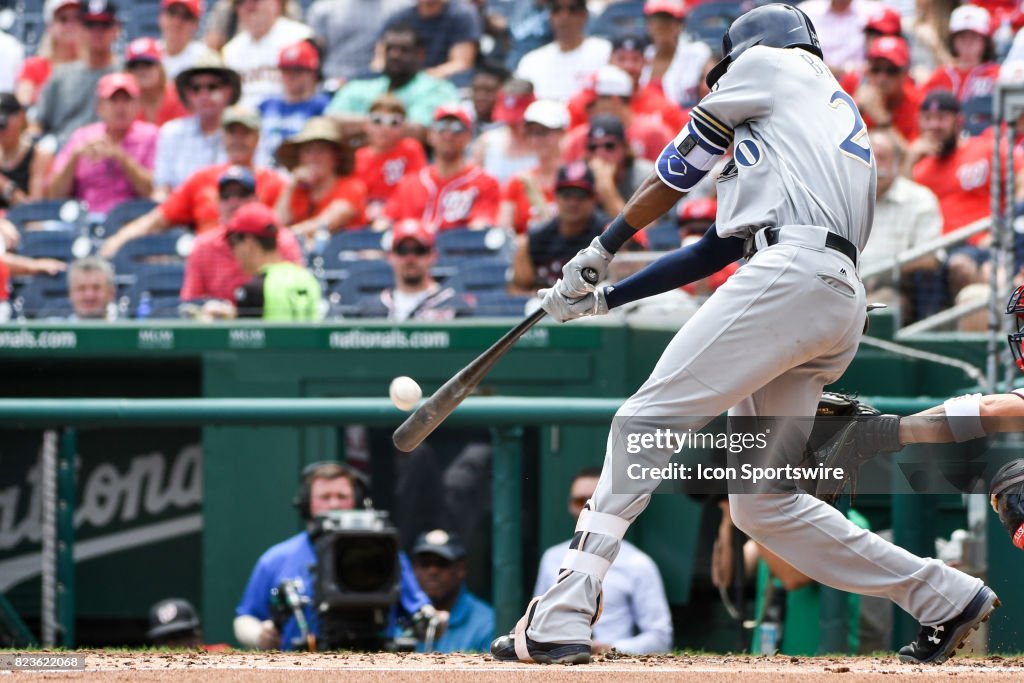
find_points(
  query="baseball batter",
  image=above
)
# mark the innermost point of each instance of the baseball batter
(797, 199)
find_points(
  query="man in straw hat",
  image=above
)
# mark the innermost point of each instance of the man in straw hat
(188, 144)
(322, 194)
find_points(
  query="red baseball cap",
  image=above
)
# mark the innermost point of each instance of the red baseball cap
(698, 210)
(511, 107)
(677, 8)
(891, 49)
(254, 218)
(143, 50)
(300, 55)
(411, 229)
(193, 6)
(885, 20)
(111, 84)
(453, 111)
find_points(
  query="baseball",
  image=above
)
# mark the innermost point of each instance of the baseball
(404, 392)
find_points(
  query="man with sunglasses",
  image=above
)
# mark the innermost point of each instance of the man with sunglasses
(450, 193)
(560, 69)
(636, 618)
(884, 91)
(68, 100)
(178, 21)
(403, 77)
(283, 116)
(212, 270)
(541, 253)
(195, 202)
(416, 294)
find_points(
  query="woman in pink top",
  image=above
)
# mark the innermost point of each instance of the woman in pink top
(106, 163)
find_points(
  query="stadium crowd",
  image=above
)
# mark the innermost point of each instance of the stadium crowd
(433, 158)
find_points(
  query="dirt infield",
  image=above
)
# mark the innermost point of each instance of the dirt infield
(388, 668)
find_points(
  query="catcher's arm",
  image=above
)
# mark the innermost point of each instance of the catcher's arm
(974, 416)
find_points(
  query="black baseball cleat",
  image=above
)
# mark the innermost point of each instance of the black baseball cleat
(936, 644)
(504, 650)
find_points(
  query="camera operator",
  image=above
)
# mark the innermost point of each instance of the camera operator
(325, 487)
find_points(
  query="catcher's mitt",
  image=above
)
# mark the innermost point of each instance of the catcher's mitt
(834, 404)
(1007, 498)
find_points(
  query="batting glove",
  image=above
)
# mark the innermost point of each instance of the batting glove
(564, 309)
(596, 258)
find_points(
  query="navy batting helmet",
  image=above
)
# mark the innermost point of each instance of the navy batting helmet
(772, 25)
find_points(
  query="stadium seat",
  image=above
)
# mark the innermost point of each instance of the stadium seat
(162, 248)
(481, 275)
(159, 285)
(44, 296)
(499, 304)
(124, 212)
(360, 278)
(977, 113)
(466, 242)
(58, 244)
(619, 18)
(63, 210)
(345, 247)
(709, 21)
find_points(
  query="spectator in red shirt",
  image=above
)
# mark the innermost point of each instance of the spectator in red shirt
(158, 98)
(974, 70)
(884, 92)
(111, 161)
(390, 155)
(648, 99)
(959, 171)
(322, 194)
(61, 43)
(695, 217)
(613, 93)
(211, 270)
(528, 199)
(195, 201)
(451, 192)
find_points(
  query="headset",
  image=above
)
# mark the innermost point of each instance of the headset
(304, 494)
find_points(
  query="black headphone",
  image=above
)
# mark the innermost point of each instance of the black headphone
(302, 498)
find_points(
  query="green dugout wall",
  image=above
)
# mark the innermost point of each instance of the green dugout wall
(196, 531)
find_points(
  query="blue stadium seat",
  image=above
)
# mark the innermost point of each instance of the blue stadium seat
(708, 21)
(480, 275)
(124, 212)
(977, 113)
(161, 284)
(44, 296)
(345, 247)
(151, 248)
(359, 279)
(466, 242)
(500, 304)
(619, 18)
(45, 210)
(49, 244)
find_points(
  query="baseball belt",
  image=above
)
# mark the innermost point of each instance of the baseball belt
(832, 241)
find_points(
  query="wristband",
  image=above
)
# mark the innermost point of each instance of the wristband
(963, 414)
(617, 234)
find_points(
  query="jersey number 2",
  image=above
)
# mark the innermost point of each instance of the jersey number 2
(849, 145)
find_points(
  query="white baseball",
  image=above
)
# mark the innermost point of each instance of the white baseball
(404, 392)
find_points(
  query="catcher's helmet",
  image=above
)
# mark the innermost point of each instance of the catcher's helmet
(772, 25)
(1015, 307)
(1009, 474)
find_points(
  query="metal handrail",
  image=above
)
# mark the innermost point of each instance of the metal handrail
(943, 241)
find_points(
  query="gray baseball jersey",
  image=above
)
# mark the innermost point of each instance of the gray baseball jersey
(823, 176)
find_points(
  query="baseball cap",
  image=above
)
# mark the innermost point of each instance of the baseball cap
(891, 49)
(511, 107)
(411, 229)
(577, 174)
(446, 544)
(99, 10)
(193, 6)
(143, 50)
(630, 41)
(611, 80)
(111, 84)
(548, 113)
(240, 114)
(254, 218)
(9, 106)
(171, 616)
(51, 8)
(237, 174)
(702, 209)
(941, 100)
(453, 111)
(606, 126)
(884, 20)
(300, 55)
(677, 8)
(970, 18)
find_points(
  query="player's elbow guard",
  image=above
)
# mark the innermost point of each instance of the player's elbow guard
(686, 160)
